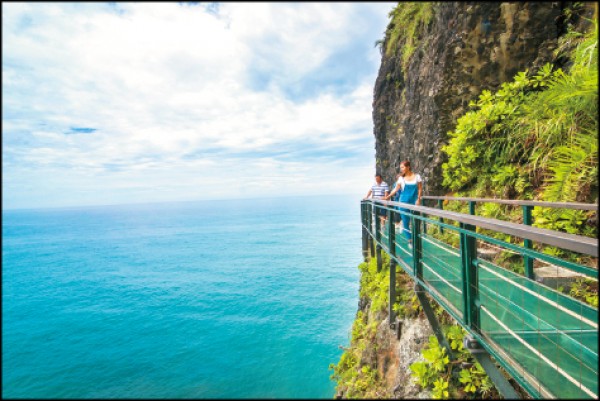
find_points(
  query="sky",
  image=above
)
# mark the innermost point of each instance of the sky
(115, 103)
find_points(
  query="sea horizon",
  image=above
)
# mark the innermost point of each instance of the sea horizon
(159, 202)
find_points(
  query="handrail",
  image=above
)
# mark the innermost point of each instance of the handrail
(571, 242)
(557, 205)
(516, 317)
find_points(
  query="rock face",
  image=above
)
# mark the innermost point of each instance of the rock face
(391, 353)
(467, 47)
(395, 355)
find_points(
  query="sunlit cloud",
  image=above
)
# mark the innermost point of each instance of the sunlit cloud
(131, 102)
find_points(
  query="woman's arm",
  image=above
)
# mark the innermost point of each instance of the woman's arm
(420, 187)
(393, 192)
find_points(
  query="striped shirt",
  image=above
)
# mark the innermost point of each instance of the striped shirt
(379, 190)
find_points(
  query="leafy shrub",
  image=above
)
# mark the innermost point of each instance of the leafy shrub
(534, 138)
(461, 378)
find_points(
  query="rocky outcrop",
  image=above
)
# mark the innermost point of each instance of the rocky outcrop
(391, 352)
(465, 48)
(406, 350)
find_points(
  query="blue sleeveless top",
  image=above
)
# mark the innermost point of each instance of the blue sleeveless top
(410, 190)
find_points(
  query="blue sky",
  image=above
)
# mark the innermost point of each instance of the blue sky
(110, 103)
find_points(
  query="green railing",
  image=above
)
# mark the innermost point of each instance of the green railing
(526, 206)
(482, 271)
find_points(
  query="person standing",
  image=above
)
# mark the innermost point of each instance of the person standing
(379, 191)
(411, 186)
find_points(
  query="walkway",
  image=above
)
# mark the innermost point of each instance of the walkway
(544, 338)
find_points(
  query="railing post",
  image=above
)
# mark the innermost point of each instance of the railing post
(470, 247)
(441, 207)
(433, 321)
(527, 220)
(417, 245)
(392, 314)
(481, 355)
(377, 227)
(365, 234)
(371, 241)
(365, 244)
(468, 252)
(392, 248)
(424, 223)
(391, 234)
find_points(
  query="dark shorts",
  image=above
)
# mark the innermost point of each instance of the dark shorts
(381, 212)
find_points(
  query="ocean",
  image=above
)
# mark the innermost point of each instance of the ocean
(209, 299)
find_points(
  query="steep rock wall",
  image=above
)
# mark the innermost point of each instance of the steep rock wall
(466, 47)
(415, 106)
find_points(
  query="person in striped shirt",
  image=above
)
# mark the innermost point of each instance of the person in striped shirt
(379, 191)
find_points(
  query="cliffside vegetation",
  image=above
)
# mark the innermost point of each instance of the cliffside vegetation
(355, 374)
(535, 138)
(462, 377)
(407, 25)
(358, 374)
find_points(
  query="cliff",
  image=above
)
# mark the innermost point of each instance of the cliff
(439, 56)
(436, 58)
(377, 363)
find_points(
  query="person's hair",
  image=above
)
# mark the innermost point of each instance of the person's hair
(406, 163)
(378, 175)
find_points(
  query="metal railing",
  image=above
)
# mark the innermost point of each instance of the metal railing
(544, 338)
(526, 206)
(513, 202)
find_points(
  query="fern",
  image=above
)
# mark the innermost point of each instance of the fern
(536, 137)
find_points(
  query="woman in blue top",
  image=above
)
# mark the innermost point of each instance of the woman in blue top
(411, 186)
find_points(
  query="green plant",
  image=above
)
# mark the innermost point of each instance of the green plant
(455, 336)
(447, 379)
(421, 373)
(375, 285)
(435, 362)
(511, 261)
(534, 138)
(440, 389)
(435, 355)
(475, 379)
(407, 304)
(353, 375)
(586, 290)
(409, 21)
(567, 220)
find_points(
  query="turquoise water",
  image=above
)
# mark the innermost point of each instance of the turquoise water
(214, 299)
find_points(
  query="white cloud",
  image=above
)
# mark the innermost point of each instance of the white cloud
(173, 97)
